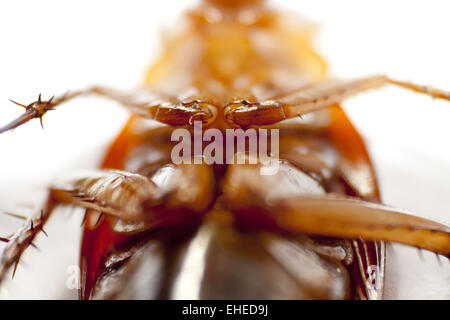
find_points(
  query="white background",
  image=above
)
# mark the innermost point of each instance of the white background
(52, 46)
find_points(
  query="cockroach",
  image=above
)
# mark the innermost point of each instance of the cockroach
(156, 228)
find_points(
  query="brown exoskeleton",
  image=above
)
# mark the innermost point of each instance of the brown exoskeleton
(312, 230)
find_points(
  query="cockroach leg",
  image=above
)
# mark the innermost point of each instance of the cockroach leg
(312, 98)
(145, 103)
(132, 197)
(350, 218)
(34, 110)
(331, 215)
(22, 239)
(89, 193)
(119, 194)
(116, 193)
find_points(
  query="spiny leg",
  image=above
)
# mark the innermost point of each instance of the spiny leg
(22, 239)
(126, 187)
(312, 98)
(353, 218)
(123, 195)
(336, 176)
(145, 103)
(135, 197)
(187, 194)
(330, 215)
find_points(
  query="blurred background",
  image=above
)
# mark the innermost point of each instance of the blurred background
(52, 46)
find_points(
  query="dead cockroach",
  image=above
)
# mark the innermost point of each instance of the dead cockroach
(314, 228)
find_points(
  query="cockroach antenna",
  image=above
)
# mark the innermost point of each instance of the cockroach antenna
(4, 239)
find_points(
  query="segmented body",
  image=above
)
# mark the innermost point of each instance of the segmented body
(159, 228)
(219, 58)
